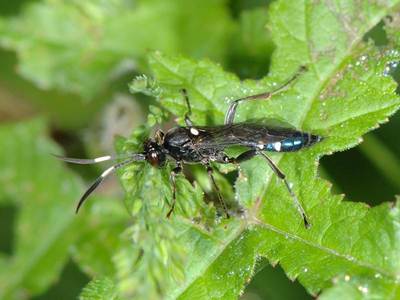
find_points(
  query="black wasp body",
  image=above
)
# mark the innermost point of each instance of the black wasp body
(205, 144)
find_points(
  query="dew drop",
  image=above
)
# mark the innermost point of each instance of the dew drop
(351, 258)
(305, 270)
(363, 289)
(228, 99)
(392, 52)
(378, 275)
(323, 115)
(390, 68)
(347, 277)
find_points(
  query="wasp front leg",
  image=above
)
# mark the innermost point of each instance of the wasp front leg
(175, 171)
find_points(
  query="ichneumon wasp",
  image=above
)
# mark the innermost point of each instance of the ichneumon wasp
(205, 144)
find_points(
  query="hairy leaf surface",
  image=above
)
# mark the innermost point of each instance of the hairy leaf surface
(345, 93)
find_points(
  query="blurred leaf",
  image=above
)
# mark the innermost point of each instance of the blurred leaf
(383, 158)
(99, 289)
(81, 46)
(345, 93)
(278, 287)
(252, 45)
(45, 194)
(46, 227)
(392, 25)
(99, 236)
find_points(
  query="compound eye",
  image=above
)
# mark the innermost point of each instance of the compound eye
(153, 158)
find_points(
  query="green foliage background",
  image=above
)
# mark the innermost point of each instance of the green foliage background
(65, 69)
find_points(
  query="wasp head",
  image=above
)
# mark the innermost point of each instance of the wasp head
(154, 153)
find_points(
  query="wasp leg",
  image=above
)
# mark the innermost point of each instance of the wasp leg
(282, 176)
(243, 157)
(188, 121)
(230, 114)
(174, 172)
(222, 202)
(253, 152)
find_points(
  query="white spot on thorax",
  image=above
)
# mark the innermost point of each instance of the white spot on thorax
(194, 131)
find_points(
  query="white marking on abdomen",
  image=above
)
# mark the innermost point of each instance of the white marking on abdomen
(277, 146)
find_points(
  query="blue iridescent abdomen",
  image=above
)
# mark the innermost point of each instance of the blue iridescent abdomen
(293, 143)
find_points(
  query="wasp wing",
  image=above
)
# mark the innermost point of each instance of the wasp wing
(240, 134)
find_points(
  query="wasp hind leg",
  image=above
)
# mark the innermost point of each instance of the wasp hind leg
(231, 112)
(282, 176)
(253, 152)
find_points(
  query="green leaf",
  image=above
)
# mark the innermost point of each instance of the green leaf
(347, 287)
(252, 46)
(99, 289)
(45, 194)
(47, 230)
(345, 93)
(102, 222)
(82, 46)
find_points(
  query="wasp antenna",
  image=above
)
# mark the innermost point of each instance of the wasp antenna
(85, 161)
(90, 161)
(89, 191)
(99, 180)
